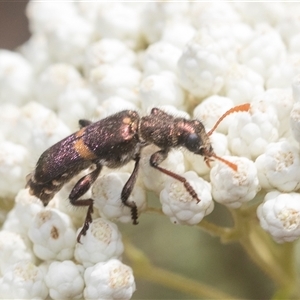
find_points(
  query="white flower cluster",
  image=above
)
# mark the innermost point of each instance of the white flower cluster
(89, 60)
(32, 233)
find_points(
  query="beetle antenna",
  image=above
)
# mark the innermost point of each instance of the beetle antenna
(228, 163)
(242, 107)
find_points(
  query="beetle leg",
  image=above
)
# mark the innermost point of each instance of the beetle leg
(80, 188)
(127, 189)
(157, 158)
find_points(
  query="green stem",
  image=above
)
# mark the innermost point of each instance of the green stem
(276, 260)
(154, 210)
(144, 269)
(224, 233)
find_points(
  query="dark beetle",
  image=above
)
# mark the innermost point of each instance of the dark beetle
(113, 142)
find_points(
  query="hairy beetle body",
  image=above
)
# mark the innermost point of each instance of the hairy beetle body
(113, 142)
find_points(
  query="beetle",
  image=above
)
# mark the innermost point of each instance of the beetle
(113, 142)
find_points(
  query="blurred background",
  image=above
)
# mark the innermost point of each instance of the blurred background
(13, 24)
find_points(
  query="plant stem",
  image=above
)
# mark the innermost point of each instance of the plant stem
(144, 269)
(276, 260)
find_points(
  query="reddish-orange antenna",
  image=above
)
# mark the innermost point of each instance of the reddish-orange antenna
(242, 107)
(228, 163)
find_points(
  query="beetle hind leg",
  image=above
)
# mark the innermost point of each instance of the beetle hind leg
(127, 189)
(80, 188)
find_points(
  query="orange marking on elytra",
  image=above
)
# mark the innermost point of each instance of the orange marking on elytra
(82, 149)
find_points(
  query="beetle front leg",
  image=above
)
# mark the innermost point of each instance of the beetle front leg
(80, 188)
(157, 158)
(127, 189)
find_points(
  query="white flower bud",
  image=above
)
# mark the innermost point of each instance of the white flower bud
(274, 52)
(68, 38)
(39, 128)
(261, 12)
(160, 56)
(53, 235)
(106, 193)
(230, 37)
(296, 88)
(279, 215)
(203, 13)
(250, 132)
(120, 21)
(202, 67)
(180, 206)
(295, 121)
(289, 25)
(157, 15)
(282, 101)
(13, 168)
(111, 106)
(21, 216)
(211, 109)
(102, 242)
(41, 15)
(16, 78)
(10, 114)
(153, 179)
(115, 80)
(108, 51)
(178, 33)
(36, 51)
(281, 75)
(294, 44)
(65, 280)
(233, 188)
(13, 249)
(76, 103)
(161, 89)
(109, 280)
(23, 280)
(242, 84)
(53, 81)
(62, 203)
(279, 167)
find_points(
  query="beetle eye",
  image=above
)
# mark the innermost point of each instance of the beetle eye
(193, 142)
